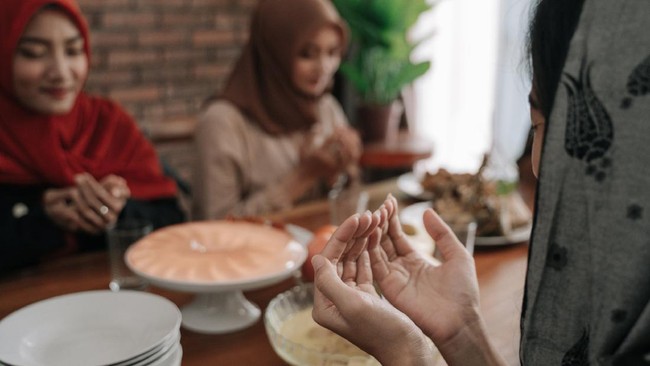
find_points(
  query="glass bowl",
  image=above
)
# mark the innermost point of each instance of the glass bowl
(304, 353)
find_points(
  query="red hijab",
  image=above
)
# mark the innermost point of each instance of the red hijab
(96, 136)
(261, 82)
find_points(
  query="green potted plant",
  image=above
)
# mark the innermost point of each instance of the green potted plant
(379, 65)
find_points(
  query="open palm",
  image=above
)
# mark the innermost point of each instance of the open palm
(440, 299)
(346, 302)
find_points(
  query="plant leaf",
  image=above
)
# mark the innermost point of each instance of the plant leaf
(379, 65)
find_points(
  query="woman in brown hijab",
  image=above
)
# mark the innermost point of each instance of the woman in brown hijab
(275, 134)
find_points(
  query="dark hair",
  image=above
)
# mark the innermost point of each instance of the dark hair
(551, 29)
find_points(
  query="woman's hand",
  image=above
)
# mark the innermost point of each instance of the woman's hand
(118, 189)
(59, 207)
(419, 288)
(88, 206)
(349, 145)
(339, 153)
(346, 302)
(321, 161)
(443, 300)
(350, 151)
(96, 202)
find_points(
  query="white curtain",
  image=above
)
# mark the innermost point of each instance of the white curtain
(473, 100)
(511, 122)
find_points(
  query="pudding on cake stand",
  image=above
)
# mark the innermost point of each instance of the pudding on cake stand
(217, 261)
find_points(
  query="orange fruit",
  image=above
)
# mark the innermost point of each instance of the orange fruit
(315, 246)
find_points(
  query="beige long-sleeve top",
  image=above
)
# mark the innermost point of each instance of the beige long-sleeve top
(241, 170)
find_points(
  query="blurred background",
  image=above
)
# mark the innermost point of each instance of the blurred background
(162, 58)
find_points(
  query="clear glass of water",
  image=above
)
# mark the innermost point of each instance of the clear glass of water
(120, 236)
(345, 201)
(466, 234)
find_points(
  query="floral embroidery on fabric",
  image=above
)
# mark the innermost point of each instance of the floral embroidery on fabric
(589, 129)
(634, 212)
(557, 257)
(618, 315)
(638, 83)
(578, 355)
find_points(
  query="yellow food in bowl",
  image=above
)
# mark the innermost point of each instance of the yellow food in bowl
(302, 329)
(298, 340)
(409, 229)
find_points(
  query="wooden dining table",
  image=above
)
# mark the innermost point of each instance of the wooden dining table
(501, 272)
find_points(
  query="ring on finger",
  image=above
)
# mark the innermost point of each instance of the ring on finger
(103, 210)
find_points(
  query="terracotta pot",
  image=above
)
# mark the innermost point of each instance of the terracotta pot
(379, 123)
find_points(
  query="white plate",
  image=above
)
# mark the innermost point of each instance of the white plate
(177, 358)
(87, 328)
(157, 352)
(171, 357)
(173, 360)
(412, 215)
(300, 234)
(161, 358)
(409, 183)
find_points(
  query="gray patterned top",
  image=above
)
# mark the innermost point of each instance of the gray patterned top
(587, 296)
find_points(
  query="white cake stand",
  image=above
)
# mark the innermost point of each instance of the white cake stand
(221, 307)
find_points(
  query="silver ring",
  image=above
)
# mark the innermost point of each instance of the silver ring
(103, 210)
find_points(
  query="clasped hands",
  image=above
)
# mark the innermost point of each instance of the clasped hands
(421, 300)
(339, 153)
(89, 205)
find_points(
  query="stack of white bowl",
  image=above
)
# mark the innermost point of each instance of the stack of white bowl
(126, 328)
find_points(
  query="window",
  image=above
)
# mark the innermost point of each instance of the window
(475, 92)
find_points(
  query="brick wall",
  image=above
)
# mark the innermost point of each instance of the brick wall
(161, 58)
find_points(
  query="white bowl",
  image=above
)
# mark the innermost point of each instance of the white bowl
(88, 328)
(287, 304)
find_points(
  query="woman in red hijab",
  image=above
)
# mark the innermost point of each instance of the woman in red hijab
(275, 136)
(70, 164)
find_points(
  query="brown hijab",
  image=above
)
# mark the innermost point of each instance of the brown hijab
(260, 84)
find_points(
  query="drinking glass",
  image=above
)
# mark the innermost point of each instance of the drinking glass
(120, 236)
(345, 201)
(466, 234)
